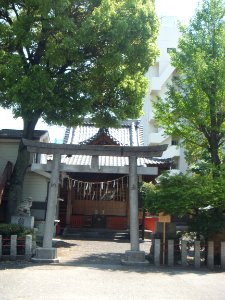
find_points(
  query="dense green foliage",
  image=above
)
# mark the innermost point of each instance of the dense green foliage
(65, 60)
(62, 60)
(199, 196)
(194, 109)
(14, 229)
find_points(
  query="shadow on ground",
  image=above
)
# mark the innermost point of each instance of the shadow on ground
(100, 259)
(106, 261)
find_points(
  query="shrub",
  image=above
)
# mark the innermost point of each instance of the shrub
(14, 229)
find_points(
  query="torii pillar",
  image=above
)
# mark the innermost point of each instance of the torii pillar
(48, 253)
(134, 255)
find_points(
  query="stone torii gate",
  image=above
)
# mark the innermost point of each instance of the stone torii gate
(134, 255)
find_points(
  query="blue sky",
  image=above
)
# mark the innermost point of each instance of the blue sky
(182, 9)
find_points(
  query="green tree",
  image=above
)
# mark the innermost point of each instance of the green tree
(200, 197)
(63, 60)
(194, 108)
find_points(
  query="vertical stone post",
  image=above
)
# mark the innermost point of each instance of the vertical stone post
(13, 248)
(170, 253)
(184, 253)
(197, 254)
(134, 256)
(28, 245)
(210, 255)
(47, 253)
(52, 202)
(223, 255)
(133, 201)
(157, 252)
(0, 246)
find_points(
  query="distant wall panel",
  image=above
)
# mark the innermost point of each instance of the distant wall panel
(91, 207)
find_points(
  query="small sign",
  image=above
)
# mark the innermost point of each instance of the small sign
(164, 218)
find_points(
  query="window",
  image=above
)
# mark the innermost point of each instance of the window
(174, 142)
(169, 50)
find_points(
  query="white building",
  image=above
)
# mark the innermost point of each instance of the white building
(35, 183)
(160, 76)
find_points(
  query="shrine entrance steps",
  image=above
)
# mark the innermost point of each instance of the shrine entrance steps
(96, 234)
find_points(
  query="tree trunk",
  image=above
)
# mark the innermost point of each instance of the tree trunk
(214, 152)
(15, 192)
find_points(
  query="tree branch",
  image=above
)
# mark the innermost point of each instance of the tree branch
(63, 68)
(5, 16)
(23, 57)
(39, 51)
(15, 11)
(41, 45)
(204, 130)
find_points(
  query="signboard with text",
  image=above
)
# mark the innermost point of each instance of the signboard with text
(164, 218)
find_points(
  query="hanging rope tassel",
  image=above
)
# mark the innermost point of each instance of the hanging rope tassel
(90, 188)
(100, 189)
(84, 190)
(70, 184)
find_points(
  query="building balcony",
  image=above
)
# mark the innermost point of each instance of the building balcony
(156, 83)
(156, 138)
(172, 151)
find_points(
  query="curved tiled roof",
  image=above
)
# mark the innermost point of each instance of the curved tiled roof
(129, 134)
(85, 160)
(101, 132)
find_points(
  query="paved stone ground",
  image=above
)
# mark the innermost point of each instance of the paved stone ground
(91, 269)
(94, 252)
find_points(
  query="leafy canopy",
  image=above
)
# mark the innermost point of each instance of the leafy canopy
(62, 60)
(183, 194)
(199, 196)
(194, 108)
